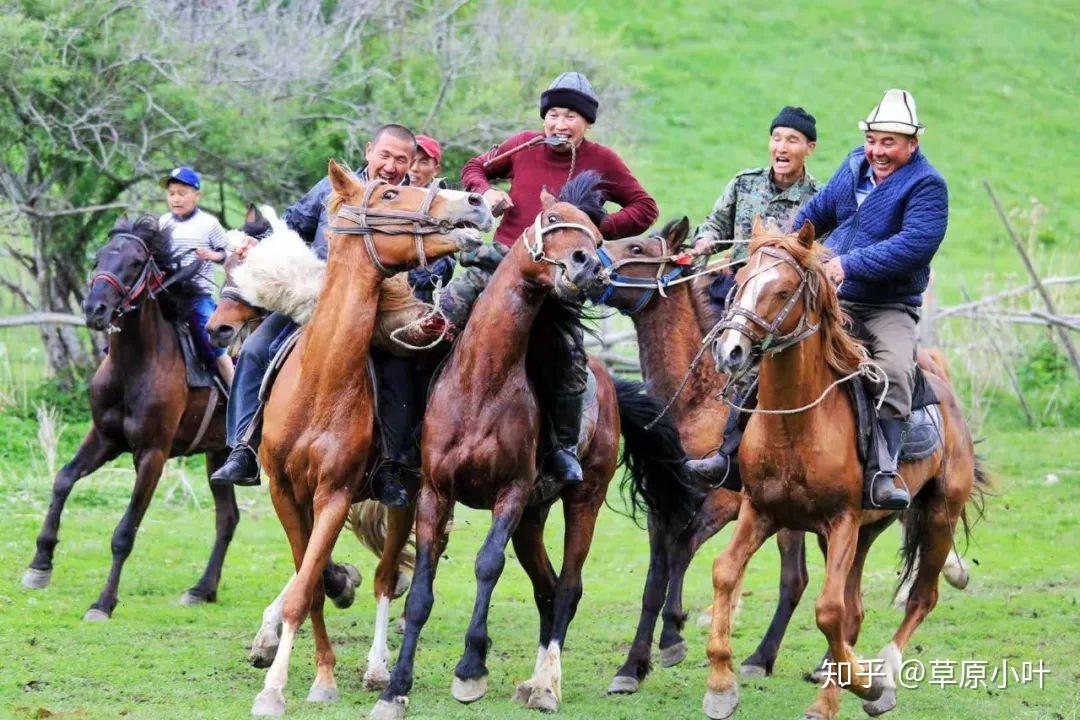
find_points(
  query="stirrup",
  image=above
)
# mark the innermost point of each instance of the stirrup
(897, 499)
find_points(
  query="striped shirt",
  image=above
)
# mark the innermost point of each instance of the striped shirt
(198, 230)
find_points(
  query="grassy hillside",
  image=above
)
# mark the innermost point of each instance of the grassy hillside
(994, 82)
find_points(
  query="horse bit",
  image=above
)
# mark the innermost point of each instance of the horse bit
(391, 222)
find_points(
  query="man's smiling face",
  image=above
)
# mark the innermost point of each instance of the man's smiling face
(888, 152)
(389, 158)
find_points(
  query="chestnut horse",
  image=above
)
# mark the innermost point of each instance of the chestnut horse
(669, 335)
(480, 439)
(319, 417)
(140, 401)
(800, 470)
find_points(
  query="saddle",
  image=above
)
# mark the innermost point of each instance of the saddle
(922, 436)
(198, 362)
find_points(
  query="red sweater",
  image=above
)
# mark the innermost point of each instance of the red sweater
(540, 166)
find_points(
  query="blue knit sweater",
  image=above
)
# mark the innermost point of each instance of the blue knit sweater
(885, 246)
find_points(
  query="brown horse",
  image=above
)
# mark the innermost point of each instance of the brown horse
(319, 417)
(140, 401)
(800, 470)
(669, 333)
(480, 438)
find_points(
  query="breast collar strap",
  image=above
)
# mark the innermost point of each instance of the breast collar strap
(369, 221)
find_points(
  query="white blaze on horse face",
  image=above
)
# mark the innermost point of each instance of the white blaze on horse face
(759, 278)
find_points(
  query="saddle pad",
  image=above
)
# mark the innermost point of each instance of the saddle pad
(922, 436)
(281, 346)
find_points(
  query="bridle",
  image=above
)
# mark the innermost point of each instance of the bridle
(536, 252)
(150, 279)
(613, 279)
(370, 221)
(773, 341)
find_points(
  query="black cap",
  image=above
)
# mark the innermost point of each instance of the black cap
(797, 119)
(571, 90)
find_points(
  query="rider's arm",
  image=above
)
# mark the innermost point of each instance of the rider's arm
(303, 215)
(476, 178)
(638, 209)
(821, 210)
(926, 216)
(718, 229)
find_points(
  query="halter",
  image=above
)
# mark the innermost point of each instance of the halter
(613, 280)
(536, 252)
(773, 342)
(150, 279)
(391, 222)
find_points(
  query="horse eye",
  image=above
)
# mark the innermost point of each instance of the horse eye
(553, 218)
(390, 194)
(635, 249)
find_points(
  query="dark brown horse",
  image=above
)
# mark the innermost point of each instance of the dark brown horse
(140, 401)
(669, 334)
(480, 439)
(319, 417)
(800, 470)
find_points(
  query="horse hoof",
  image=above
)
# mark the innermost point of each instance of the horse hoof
(882, 705)
(522, 692)
(818, 677)
(262, 657)
(720, 705)
(36, 579)
(956, 574)
(672, 656)
(269, 703)
(468, 691)
(753, 671)
(95, 615)
(404, 582)
(543, 699)
(399, 628)
(191, 599)
(387, 710)
(348, 594)
(322, 694)
(623, 685)
(376, 678)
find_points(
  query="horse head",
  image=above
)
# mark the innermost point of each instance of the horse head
(776, 301)
(128, 268)
(635, 268)
(404, 226)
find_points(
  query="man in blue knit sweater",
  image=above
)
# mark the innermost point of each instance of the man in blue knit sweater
(885, 212)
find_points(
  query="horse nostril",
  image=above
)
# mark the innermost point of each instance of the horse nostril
(475, 200)
(735, 357)
(579, 257)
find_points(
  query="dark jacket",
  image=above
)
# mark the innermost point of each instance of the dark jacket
(307, 216)
(885, 245)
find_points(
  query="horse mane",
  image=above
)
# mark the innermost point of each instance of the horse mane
(842, 352)
(177, 302)
(585, 192)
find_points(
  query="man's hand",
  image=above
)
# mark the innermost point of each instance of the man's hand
(835, 271)
(498, 200)
(208, 254)
(703, 246)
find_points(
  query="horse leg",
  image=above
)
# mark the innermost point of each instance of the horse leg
(722, 688)
(226, 517)
(846, 671)
(399, 524)
(581, 505)
(148, 466)
(340, 582)
(265, 644)
(639, 659)
(471, 674)
(324, 688)
(296, 522)
(94, 452)
(935, 545)
(433, 509)
(793, 582)
(529, 547)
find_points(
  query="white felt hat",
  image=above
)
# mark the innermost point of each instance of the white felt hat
(895, 113)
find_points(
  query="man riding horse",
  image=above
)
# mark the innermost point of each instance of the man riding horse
(885, 211)
(389, 156)
(535, 160)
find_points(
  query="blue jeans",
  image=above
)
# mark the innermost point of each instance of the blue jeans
(255, 357)
(201, 310)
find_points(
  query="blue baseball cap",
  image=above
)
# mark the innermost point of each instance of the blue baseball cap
(182, 175)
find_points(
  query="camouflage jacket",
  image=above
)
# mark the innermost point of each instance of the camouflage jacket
(751, 193)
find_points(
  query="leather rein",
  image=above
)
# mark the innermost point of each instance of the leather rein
(370, 221)
(150, 279)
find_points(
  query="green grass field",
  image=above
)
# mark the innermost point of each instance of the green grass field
(992, 80)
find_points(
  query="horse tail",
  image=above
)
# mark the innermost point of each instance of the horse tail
(367, 520)
(653, 454)
(914, 519)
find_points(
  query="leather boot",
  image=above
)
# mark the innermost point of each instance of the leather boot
(562, 462)
(241, 468)
(392, 485)
(881, 491)
(722, 469)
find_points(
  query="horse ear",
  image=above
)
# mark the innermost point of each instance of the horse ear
(341, 180)
(253, 215)
(806, 234)
(122, 224)
(677, 232)
(759, 228)
(546, 198)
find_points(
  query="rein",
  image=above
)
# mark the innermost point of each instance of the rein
(150, 280)
(613, 279)
(390, 222)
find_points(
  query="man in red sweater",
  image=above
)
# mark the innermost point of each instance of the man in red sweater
(568, 109)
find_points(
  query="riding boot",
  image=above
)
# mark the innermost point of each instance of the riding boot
(562, 462)
(880, 491)
(394, 483)
(241, 468)
(400, 411)
(721, 470)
